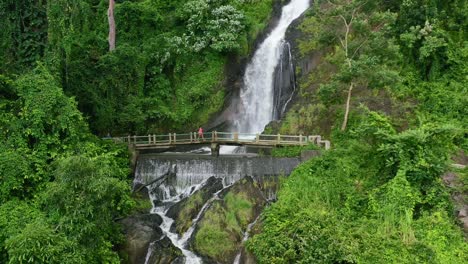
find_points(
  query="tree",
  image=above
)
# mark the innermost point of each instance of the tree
(211, 24)
(37, 123)
(356, 30)
(110, 15)
(96, 195)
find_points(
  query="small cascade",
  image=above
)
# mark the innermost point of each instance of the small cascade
(173, 178)
(244, 239)
(179, 176)
(284, 85)
(185, 174)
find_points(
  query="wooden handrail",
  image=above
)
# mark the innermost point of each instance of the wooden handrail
(221, 138)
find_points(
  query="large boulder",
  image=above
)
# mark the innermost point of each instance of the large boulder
(188, 208)
(164, 252)
(140, 231)
(219, 234)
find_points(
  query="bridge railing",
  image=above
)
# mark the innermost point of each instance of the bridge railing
(222, 137)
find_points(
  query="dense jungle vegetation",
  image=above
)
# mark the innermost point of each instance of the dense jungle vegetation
(62, 188)
(376, 197)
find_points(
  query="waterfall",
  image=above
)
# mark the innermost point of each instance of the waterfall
(185, 174)
(182, 176)
(257, 95)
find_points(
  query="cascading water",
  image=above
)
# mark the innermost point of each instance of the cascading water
(258, 107)
(257, 96)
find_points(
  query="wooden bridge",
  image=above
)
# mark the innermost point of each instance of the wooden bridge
(216, 139)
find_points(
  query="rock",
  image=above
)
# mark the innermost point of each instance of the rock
(141, 190)
(140, 231)
(463, 217)
(458, 194)
(164, 252)
(248, 189)
(188, 208)
(219, 233)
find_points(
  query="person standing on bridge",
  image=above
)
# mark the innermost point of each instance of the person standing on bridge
(200, 134)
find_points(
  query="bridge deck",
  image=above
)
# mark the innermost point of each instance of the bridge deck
(220, 138)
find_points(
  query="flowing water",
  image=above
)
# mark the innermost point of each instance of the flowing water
(182, 175)
(257, 94)
(258, 107)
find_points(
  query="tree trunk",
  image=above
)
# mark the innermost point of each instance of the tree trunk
(345, 120)
(110, 15)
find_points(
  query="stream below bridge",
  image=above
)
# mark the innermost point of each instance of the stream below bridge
(191, 194)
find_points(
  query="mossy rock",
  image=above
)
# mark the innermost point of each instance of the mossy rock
(188, 208)
(216, 237)
(220, 231)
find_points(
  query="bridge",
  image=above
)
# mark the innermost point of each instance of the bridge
(216, 139)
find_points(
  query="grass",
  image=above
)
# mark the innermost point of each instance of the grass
(213, 239)
(184, 219)
(292, 151)
(239, 207)
(220, 230)
(142, 205)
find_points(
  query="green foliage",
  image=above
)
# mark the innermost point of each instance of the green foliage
(292, 151)
(214, 238)
(60, 189)
(422, 153)
(185, 216)
(24, 34)
(14, 216)
(39, 243)
(427, 30)
(222, 226)
(239, 210)
(96, 196)
(168, 53)
(38, 123)
(211, 24)
(348, 206)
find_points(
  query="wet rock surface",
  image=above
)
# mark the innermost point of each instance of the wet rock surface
(188, 208)
(140, 231)
(164, 252)
(219, 234)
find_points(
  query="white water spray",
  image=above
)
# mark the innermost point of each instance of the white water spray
(256, 112)
(257, 93)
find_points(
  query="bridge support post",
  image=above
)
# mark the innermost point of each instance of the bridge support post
(215, 149)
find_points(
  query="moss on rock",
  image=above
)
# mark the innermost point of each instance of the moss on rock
(220, 231)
